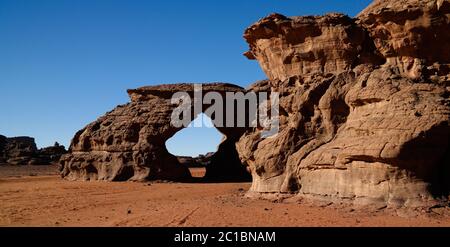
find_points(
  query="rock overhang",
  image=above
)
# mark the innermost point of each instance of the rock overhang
(288, 46)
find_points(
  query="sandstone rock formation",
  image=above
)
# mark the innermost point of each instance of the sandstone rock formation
(23, 151)
(364, 112)
(128, 143)
(364, 105)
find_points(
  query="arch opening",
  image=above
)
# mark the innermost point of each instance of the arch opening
(195, 145)
(209, 153)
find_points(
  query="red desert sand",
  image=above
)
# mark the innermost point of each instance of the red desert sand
(41, 198)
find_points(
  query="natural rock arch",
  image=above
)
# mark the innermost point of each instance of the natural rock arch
(197, 142)
(364, 112)
(128, 143)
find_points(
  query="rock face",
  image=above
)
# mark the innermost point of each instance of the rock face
(364, 105)
(128, 143)
(412, 35)
(23, 151)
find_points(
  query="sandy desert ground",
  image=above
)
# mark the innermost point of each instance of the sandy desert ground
(37, 196)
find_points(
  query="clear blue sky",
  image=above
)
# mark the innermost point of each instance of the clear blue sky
(63, 63)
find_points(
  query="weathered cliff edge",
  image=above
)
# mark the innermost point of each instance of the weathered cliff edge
(364, 105)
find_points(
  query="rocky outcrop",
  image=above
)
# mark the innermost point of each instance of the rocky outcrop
(49, 155)
(18, 150)
(23, 151)
(128, 143)
(364, 105)
(199, 161)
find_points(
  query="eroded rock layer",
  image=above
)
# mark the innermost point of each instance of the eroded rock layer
(364, 105)
(287, 47)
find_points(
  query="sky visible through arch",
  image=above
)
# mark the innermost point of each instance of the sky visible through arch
(192, 141)
(64, 63)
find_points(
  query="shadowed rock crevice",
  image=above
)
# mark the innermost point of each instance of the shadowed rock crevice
(426, 157)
